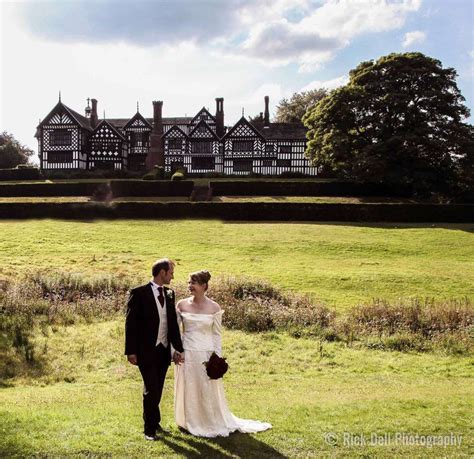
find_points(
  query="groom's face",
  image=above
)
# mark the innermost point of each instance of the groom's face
(168, 275)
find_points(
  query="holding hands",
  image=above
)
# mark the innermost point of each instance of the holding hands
(178, 358)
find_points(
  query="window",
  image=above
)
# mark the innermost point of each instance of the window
(60, 137)
(175, 144)
(283, 163)
(243, 165)
(267, 163)
(269, 148)
(139, 139)
(285, 148)
(204, 162)
(201, 147)
(242, 145)
(60, 157)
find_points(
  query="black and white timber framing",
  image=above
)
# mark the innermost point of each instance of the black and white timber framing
(201, 144)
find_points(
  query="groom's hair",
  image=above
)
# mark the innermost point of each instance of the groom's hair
(162, 263)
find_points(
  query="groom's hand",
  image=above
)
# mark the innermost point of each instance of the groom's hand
(132, 358)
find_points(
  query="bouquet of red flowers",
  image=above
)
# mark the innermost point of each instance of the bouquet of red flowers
(216, 367)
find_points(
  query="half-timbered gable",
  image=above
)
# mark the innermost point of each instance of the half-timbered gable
(181, 122)
(243, 146)
(204, 149)
(175, 143)
(137, 132)
(109, 148)
(63, 138)
(203, 115)
(285, 145)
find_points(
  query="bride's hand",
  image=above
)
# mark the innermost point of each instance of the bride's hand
(178, 358)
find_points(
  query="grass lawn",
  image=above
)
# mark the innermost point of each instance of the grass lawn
(88, 402)
(341, 264)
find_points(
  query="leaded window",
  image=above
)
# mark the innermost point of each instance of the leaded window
(201, 147)
(175, 144)
(60, 157)
(242, 145)
(243, 165)
(60, 137)
(205, 162)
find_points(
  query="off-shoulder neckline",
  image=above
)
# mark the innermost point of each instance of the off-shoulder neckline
(201, 313)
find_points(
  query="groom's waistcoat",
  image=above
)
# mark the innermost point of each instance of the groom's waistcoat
(142, 323)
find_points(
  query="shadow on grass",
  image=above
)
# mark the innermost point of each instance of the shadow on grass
(467, 227)
(236, 445)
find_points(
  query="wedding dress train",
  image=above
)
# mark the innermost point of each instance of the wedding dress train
(200, 403)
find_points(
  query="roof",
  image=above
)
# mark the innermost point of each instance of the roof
(280, 131)
(121, 122)
(81, 120)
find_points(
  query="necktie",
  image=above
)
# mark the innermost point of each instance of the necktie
(161, 297)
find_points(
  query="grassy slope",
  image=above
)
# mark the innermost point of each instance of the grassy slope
(340, 264)
(302, 391)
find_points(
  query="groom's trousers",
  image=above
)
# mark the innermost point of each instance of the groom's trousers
(153, 374)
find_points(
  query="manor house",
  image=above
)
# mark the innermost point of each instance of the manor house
(201, 144)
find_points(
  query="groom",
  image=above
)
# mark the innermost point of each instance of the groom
(151, 326)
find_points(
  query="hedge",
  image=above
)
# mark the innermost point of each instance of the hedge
(304, 188)
(48, 189)
(22, 173)
(151, 188)
(419, 213)
(119, 188)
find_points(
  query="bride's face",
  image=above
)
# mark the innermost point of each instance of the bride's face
(195, 287)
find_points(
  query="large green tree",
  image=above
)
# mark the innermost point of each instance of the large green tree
(292, 110)
(12, 152)
(400, 119)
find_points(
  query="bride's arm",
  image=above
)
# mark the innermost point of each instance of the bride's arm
(217, 333)
(179, 318)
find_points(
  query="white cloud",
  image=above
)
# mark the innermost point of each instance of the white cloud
(276, 32)
(327, 84)
(323, 30)
(413, 38)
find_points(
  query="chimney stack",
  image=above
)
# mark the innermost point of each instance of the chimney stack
(266, 119)
(94, 117)
(220, 131)
(156, 154)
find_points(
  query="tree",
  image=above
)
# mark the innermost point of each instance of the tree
(12, 152)
(399, 120)
(293, 110)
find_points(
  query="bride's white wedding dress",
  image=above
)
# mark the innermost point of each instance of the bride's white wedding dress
(200, 403)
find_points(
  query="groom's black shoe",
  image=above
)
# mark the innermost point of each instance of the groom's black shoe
(151, 437)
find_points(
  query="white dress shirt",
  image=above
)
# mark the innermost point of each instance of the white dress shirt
(163, 326)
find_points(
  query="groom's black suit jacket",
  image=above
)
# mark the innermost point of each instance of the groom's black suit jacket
(141, 325)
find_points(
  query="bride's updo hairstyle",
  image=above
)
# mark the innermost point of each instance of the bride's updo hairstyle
(201, 277)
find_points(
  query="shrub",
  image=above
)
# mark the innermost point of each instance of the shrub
(155, 173)
(177, 176)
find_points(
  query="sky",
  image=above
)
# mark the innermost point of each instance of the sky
(188, 52)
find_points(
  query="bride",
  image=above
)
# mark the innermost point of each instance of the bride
(200, 403)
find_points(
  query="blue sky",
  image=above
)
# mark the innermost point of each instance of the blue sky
(188, 52)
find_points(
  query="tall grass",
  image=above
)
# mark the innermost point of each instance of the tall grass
(30, 306)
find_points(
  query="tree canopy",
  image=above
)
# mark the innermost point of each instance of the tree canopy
(12, 152)
(400, 120)
(292, 110)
